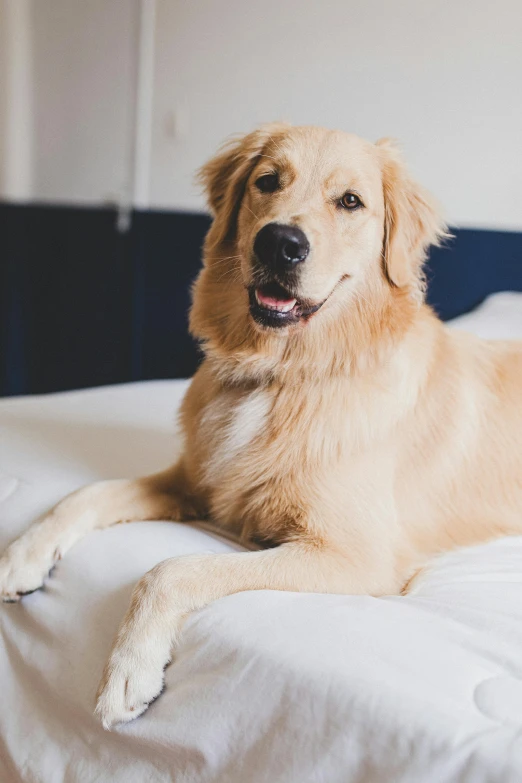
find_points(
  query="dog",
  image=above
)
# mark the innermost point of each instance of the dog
(335, 425)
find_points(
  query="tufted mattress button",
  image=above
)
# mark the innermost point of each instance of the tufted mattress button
(500, 698)
(8, 484)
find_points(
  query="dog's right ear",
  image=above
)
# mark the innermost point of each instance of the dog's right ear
(224, 177)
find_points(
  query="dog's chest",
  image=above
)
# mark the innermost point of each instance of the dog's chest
(254, 438)
(265, 454)
(230, 427)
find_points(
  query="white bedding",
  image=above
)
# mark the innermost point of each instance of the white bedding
(267, 687)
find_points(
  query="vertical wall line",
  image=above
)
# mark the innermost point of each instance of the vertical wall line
(144, 104)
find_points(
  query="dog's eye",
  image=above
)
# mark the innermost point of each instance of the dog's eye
(268, 183)
(350, 201)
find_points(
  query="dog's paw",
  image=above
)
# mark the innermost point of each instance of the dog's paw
(132, 680)
(23, 569)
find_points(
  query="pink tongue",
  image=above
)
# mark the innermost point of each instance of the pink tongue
(271, 301)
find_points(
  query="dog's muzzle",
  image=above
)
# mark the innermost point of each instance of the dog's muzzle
(279, 252)
(280, 249)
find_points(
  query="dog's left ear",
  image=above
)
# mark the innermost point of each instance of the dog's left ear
(412, 221)
(224, 177)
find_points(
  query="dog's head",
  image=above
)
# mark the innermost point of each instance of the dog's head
(308, 223)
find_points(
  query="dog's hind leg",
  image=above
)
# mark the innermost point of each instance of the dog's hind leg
(28, 560)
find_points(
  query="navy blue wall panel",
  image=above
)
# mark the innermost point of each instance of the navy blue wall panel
(66, 289)
(166, 250)
(84, 305)
(470, 267)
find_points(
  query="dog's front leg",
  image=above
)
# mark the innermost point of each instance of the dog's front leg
(28, 560)
(133, 676)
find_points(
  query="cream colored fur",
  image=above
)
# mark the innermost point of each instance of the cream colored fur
(360, 443)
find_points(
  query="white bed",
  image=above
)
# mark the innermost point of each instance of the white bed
(267, 687)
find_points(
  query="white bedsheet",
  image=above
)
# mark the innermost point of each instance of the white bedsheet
(267, 687)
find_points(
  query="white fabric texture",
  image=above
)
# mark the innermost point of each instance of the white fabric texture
(266, 687)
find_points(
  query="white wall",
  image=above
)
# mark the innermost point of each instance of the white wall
(16, 100)
(84, 54)
(442, 76)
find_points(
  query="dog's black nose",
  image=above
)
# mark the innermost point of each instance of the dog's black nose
(281, 247)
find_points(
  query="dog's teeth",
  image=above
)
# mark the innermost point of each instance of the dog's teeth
(282, 306)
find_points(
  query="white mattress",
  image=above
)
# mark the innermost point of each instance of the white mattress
(267, 687)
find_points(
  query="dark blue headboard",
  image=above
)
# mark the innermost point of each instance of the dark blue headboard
(83, 305)
(470, 267)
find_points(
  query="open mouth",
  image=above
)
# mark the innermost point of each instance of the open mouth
(272, 305)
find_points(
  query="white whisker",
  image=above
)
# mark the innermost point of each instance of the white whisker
(253, 213)
(278, 148)
(217, 261)
(221, 258)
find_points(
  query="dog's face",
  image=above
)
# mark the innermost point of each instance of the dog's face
(310, 224)
(307, 222)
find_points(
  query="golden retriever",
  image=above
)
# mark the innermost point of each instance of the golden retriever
(335, 422)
